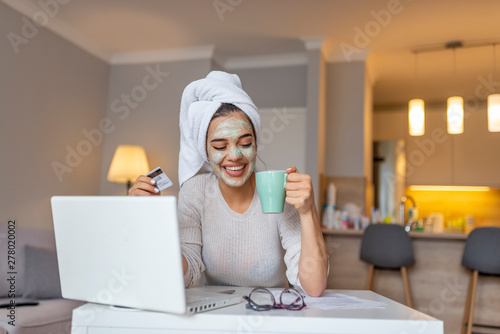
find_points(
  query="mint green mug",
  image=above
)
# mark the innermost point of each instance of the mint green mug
(271, 189)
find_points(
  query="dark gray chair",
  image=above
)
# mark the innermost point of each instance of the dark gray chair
(481, 256)
(387, 246)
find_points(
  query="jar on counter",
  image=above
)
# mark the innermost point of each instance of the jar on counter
(428, 224)
(469, 223)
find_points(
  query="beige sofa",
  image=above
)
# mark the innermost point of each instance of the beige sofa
(36, 280)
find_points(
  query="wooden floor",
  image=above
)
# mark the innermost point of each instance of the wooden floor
(438, 281)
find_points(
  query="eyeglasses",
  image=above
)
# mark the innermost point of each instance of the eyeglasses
(261, 299)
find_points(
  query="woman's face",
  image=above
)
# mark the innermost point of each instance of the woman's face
(231, 148)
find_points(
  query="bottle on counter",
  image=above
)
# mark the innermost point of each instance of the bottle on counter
(469, 223)
(345, 219)
(412, 221)
(324, 217)
(338, 219)
(365, 221)
(328, 220)
(331, 195)
(376, 217)
(437, 222)
(330, 213)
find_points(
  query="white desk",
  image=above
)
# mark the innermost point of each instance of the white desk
(394, 318)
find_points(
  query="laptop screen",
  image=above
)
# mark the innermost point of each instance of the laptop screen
(120, 250)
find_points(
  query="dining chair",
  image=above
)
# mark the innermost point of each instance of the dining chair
(388, 246)
(482, 257)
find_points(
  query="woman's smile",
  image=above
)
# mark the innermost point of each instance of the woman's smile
(235, 170)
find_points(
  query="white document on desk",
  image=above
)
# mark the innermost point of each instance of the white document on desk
(332, 300)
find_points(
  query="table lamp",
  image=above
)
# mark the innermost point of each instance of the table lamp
(129, 161)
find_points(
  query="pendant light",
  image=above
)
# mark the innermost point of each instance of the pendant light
(416, 109)
(455, 105)
(494, 102)
(455, 115)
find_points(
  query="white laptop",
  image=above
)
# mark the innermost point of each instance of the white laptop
(125, 251)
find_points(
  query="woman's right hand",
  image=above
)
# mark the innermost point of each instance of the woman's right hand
(144, 186)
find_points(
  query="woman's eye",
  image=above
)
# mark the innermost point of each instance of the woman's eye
(220, 148)
(246, 145)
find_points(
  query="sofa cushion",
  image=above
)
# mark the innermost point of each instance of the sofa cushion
(34, 236)
(41, 274)
(50, 316)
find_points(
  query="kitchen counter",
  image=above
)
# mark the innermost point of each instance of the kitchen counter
(413, 234)
(438, 281)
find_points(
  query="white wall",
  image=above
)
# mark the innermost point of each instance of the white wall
(280, 95)
(276, 87)
(50, 91)
(152, 120)
(345, 121)
(283, 144)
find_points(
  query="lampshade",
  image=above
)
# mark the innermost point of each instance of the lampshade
(129, 161)
(455, 113)
(416, 117)
(494, 113)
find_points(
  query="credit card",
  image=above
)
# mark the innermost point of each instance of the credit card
(162, 180)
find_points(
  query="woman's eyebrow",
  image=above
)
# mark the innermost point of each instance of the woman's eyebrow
(245, 135)
(218, 139)
(224, 139)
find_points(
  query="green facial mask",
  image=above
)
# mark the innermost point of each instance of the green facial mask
(230, 129)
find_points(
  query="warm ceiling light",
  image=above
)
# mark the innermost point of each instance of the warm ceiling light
(455, 109)
(455, 115)
(494, 101)
(416, 117)
(448, 188)
(494, 113)
(416, 109)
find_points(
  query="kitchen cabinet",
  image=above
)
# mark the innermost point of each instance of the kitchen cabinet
(429, 157)
(477, 153)
(470, 158)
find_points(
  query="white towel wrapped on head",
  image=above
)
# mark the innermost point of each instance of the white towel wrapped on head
(200, 100)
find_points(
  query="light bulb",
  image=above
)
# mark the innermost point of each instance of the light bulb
(494, 113)
(455, 115)
(416, 117)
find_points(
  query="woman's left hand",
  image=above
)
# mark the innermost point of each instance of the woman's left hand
(299, 190)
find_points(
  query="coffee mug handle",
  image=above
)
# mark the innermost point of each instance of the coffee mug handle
(285, 179)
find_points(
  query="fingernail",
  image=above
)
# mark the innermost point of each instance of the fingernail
(153, 181)
(289, 168)
(157, 190)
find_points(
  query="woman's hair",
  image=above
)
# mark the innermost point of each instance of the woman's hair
(227, 109)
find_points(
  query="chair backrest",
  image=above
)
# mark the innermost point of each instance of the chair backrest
(482, 250)
(387, 246)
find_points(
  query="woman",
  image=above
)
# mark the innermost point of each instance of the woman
(223, 230)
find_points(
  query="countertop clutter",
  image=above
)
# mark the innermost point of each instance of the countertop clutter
(413, 234)
(453, 212)
(350, 221)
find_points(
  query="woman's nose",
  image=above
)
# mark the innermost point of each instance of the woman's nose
(235, 153)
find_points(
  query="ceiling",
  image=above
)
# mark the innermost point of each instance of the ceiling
(242, 28)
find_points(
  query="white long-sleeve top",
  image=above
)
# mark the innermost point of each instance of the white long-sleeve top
(249, 249)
